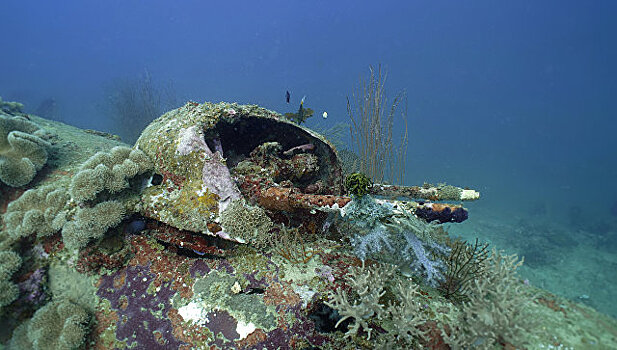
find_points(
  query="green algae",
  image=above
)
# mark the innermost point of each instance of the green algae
(218, 291)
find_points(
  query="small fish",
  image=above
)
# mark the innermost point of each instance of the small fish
(300, 113)
(287, 96)
(198, 252)
(325, 115)
(301, 110)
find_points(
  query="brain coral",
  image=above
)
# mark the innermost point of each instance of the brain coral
(22, 150)
(247, 222)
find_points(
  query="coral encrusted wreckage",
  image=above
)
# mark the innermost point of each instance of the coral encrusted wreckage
(229, 226)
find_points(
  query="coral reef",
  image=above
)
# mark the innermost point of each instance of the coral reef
(426, 257)
(151, 278)
(465, 264)
(65, 283)
(369, 285)
(396, 312)
(23, 150)
(11, 108)
(289, 244)
(290, 200)
(248, 222)
(214, 294)
(32, 289)
(9, 263)
(358, 184)
(127, 294)
(47, 209)
(500, 309)
(441, 213)
(103, 175)
(110, 254)
(59, 325)
(9, 292)
(396, 236)
(110, 171)
(92, 223)
(215, 174)
(37, 211)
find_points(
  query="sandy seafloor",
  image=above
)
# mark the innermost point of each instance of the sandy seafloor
(568, 260)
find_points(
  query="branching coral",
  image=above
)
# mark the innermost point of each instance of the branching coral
(368, 284)
(401, 317)
(23, 151)
(499, 309)
(420, 254)
(288, 243)
(365, 213)
(405, 317)
(374, 242)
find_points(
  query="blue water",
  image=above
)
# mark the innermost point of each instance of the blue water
(514, 99)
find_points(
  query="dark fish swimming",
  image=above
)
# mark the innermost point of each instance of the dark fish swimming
(287, 96)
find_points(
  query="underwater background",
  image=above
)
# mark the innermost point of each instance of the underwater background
(513, 99)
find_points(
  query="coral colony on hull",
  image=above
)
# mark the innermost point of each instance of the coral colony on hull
(230, 226)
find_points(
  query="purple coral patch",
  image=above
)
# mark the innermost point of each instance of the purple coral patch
(282, 339)
(222, 322)
(199, 267)
(136, 308)
(31, 289)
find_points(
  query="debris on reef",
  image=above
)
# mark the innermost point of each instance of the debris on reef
(441, 192)
(209, 157)
(227, 226)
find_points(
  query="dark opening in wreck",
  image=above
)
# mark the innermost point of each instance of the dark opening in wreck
(239, 137)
